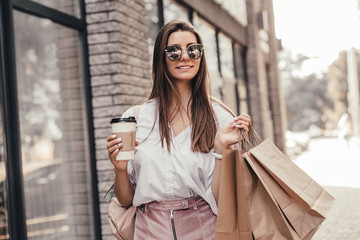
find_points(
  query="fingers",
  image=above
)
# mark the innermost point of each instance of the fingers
(244, 117)
(113, 145)
(243, 125)
(112, 155)
(243, 121)
(113, 151)
(111, 137)
(245, 128)
(113, 141)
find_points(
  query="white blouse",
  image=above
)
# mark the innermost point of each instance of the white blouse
(158, 174)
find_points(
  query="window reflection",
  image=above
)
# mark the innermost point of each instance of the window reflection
(207, 33)
(4, 231)
(173, 11)
(227, 71)
(243, 104)
(70, 7)
(226, 57)
(152, 19)
(240, 78)
(52, 129)
(237, 8)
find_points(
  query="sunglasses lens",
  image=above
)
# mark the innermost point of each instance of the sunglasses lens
(195, 51)
(173, 52)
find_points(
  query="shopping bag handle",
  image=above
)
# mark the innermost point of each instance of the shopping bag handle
(245, 140)
(248, 140)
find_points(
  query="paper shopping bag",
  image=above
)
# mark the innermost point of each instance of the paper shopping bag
(232, 219)
(303, 202)
(266, 218)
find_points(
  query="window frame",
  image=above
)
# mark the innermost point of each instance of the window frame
(9, 108)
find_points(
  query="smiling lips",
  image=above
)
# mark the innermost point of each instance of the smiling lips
(184, 67)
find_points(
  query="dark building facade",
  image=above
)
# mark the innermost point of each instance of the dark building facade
(67, 67)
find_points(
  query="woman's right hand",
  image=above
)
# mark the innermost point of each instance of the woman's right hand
(114, 146)
(124, 192)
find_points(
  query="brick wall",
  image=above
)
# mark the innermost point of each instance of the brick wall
(266, 102)
(257, 74)
(120, 74)
(275, 91)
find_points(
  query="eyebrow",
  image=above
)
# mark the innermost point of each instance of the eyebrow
(186, 44)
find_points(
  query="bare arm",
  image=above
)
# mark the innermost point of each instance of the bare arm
(216, 179)
(123, 188)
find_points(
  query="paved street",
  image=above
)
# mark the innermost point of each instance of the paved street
(335, 164)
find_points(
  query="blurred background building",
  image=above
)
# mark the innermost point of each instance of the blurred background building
(67, 67)
(320, 76)
(319, 68)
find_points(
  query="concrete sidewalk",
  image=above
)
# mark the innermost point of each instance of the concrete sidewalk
(332, 161)
(335, 164)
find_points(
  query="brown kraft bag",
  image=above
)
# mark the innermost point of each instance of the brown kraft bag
(264, 195)
(302, 203)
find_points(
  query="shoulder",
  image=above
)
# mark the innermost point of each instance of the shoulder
(222, 113)
(219, 105)
(148, 108)
(145, 120)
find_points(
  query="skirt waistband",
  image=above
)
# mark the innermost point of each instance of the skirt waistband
(186, 203)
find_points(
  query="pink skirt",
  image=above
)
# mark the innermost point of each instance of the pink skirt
(187, 219)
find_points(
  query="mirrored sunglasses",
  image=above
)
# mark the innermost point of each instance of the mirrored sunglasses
(174, 52)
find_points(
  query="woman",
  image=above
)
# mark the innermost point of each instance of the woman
(174, 177)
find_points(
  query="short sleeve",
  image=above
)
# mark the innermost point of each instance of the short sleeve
(128, 113)
(221, 114)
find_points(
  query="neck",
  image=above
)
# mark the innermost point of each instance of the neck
(184, 89)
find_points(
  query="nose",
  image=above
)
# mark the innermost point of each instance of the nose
(184, 55)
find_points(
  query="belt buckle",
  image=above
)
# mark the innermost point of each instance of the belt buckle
(184, 204)
(142, 207)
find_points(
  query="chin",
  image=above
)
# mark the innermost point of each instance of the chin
(185, 79)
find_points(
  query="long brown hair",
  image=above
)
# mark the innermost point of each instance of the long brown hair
(166, 92)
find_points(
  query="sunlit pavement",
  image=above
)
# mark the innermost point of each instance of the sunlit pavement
(335, 164)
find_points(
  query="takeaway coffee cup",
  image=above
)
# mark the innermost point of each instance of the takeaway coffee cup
(125, 128)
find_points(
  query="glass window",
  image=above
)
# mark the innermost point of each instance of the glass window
(52, 129)
(207, 33)
(152, 19)
(226, 57)
(70, 7)
(4, 230)
(240, 78)
(243, 104)
(227, 71)
(237, 8)
(173, 11)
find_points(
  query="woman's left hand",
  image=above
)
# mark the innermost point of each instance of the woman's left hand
(227, 134)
